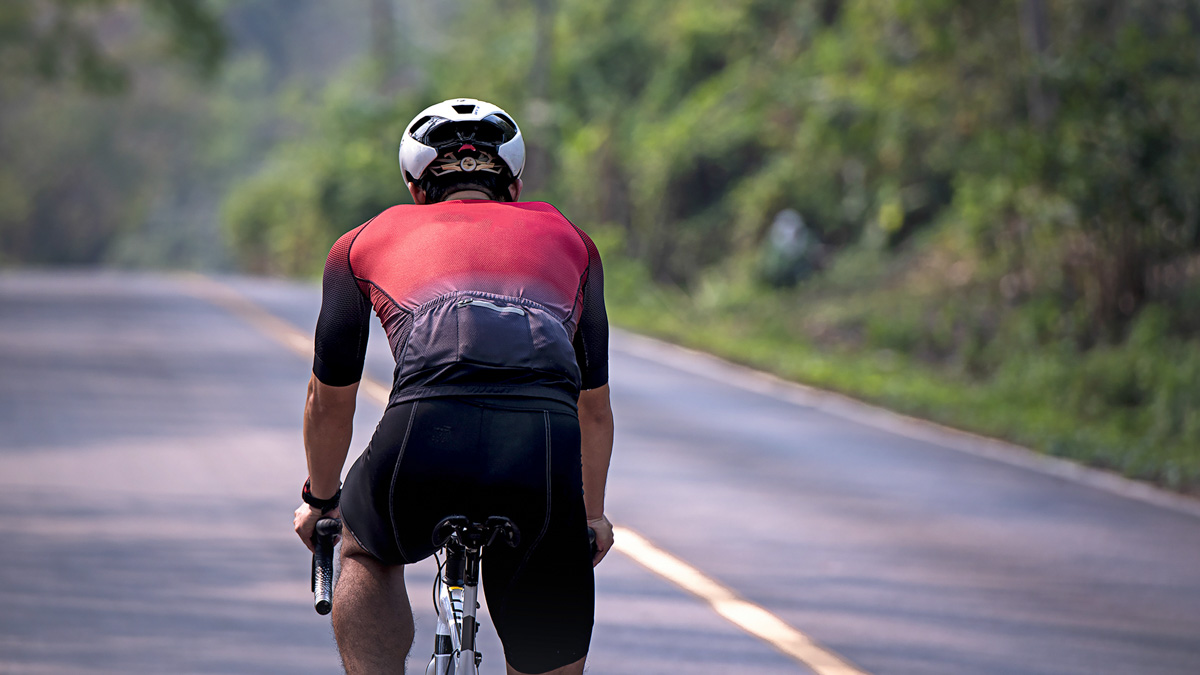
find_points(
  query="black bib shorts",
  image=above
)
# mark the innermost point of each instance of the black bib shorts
(479, 457)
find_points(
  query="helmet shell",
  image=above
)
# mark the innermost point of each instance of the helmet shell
(416, 155)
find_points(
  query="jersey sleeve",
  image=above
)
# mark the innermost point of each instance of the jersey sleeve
(591, 339)
(344, 322)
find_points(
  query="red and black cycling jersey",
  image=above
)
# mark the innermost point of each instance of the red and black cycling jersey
(476, 297)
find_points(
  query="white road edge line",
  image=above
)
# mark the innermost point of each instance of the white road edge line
(743, 377)
(744, 614)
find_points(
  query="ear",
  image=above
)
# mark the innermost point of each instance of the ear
(514, 189)
(417, 193)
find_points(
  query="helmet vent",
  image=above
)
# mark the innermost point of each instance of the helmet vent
(415, 126)
(464, 108)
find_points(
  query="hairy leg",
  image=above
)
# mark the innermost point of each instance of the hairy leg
(372, 619)
(569, 669)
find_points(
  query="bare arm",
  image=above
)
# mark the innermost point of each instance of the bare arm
(596, 441)
(328, 427)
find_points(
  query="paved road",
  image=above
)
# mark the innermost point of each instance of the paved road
(150, 455)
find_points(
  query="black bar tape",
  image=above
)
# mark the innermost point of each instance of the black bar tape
(322, 566)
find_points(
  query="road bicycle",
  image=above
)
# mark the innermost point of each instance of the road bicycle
(455, 589)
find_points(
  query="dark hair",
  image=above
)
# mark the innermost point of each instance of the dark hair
(495, 185)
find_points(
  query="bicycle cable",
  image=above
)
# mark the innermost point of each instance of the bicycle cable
(437, 583)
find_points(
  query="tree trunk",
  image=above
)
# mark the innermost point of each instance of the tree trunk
(1035, 38)
(538, 161)
(383, 43)
(829, 11)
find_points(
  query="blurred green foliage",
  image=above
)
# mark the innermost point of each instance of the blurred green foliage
(1071, 160)
(75, 159)
(285, 218)
(83, 41)
(124, 122)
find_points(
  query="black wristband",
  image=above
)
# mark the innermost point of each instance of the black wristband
(325, 505)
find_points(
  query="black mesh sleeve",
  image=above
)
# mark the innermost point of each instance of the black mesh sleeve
(591, 340)
(344, 323)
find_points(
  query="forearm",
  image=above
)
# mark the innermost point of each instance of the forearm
(328, 428)
(596, 442)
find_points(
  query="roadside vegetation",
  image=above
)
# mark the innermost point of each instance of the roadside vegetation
(878, 328)
(1000, 200)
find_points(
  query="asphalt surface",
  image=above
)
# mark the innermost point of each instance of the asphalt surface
(150, 458)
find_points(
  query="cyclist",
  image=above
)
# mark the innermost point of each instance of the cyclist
(494, 311)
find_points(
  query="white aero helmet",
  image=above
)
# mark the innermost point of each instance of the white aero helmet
(448, 132)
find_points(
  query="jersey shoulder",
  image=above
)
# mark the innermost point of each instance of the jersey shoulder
(385, 220)
(552, 212)
(339, 253)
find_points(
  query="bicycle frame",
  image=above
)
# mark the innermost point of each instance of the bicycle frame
(454, 650)
(457, 588)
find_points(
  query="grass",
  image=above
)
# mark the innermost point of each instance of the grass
(923, 333)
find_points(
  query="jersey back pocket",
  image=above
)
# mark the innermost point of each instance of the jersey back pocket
(485, 329)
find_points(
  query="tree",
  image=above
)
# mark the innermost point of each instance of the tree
(66, 39)
(79, 168)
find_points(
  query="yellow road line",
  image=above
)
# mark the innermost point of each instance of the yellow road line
(740, 612)
(283, 332)
(375, 390)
